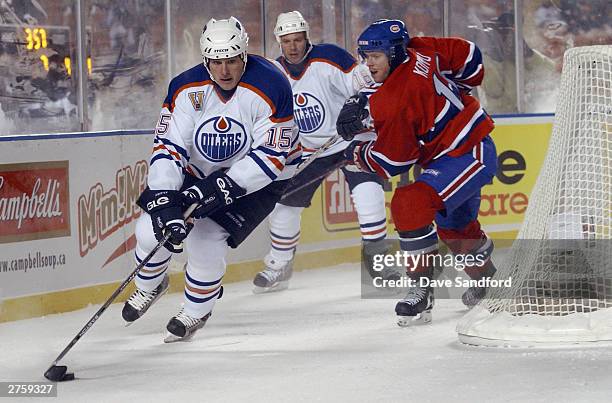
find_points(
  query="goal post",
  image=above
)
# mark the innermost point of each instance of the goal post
(561, 262)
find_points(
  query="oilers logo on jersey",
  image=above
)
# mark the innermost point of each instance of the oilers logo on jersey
(308, 112)
(220, 138)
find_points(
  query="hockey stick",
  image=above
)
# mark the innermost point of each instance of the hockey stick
(302, 166)
(331, 169)
(316, 154)
(57, 373)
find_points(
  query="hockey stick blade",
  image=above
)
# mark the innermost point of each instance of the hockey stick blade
(59, 373)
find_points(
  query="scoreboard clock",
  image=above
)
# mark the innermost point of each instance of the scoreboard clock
(37, 43)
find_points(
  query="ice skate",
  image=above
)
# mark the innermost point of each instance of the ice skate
(371, 249)
(275, 277)
(473, 295)
(140, 301)
(182, 327)
(415, 308)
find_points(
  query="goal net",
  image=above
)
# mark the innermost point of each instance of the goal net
(560, 264)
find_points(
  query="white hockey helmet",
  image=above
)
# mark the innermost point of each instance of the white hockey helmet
(223, 39)
(289, 23)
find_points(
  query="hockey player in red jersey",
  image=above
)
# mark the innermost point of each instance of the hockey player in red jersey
(423, 114)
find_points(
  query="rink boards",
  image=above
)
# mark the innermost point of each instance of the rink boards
(67, 212)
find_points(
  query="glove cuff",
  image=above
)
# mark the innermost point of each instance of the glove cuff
(212, 193)
(156, 200)
(360, 156)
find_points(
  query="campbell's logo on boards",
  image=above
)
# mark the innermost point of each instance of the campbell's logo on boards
(338, 210)
(34, 201)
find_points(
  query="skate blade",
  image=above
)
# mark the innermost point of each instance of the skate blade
(172, 338)
(422, 318)
(280, 286)
(470, 305)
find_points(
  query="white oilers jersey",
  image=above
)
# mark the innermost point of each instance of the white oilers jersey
(251, 135)
(330, 76)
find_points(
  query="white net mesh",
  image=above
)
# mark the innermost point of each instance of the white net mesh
(562, 291)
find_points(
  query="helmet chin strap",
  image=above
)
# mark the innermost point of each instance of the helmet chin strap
(396, 64)
(308, 49)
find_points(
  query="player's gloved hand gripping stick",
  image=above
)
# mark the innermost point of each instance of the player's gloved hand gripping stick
(212, 193)
(165, 207)
(58, 373)
(351, 116)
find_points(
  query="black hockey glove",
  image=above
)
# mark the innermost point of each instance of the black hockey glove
(350, 119)
(166, 210)
(212, 193)
(355, 156)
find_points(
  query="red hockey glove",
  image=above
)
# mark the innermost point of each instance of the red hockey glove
(355, 155)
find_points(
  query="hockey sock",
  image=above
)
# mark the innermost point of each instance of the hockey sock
(284, 231)
(152, 274)
(475, 246)
(207, 249)
(420, 247)
(369, 201)
(201, 294)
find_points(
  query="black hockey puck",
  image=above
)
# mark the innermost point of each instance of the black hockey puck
(57, 373)
(68, 377)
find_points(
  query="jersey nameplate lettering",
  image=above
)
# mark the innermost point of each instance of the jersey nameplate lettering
(421, 66)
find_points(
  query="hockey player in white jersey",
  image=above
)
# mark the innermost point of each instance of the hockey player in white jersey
(225, 134)
(322, 77)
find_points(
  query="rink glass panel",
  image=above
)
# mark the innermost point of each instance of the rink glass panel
(190, 16)
(127, 44)
(422, 17)
(549, 30)
(325, 17)
(38, 74)
(490, 25)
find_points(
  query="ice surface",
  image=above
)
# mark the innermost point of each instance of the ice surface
(317, 341)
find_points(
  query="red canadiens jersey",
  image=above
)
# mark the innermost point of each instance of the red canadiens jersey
(423, 110)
